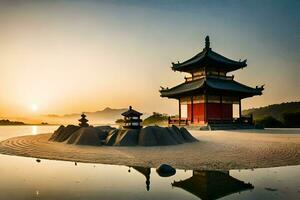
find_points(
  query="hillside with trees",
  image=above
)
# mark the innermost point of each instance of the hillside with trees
(8, 122)
(277, 115)
(156, 119)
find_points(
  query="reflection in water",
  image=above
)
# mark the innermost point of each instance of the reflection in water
(146, 171)
(209, 185)
(206, 185)
(34, 130)
(25, 178)
(62, 180)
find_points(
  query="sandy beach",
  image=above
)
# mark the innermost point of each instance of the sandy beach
(217, 150)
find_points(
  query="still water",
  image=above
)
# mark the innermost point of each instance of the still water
(25, 178)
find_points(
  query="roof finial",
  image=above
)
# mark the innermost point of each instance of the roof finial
(130, 107)
(207, 43)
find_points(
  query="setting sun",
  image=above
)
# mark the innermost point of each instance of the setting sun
(34, 107)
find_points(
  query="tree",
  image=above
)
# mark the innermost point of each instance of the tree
(120, 121)
(291, 120)
(269, 122)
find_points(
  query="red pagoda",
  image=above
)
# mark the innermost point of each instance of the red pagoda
(208, 92)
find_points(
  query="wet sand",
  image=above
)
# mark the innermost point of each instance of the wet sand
(217, 150)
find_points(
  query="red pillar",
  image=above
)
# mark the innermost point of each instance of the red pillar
(192, 109)
(221, 107)
(179, 111)
(240, 110)
(205, 108)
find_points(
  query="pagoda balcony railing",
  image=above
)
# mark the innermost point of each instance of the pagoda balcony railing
(178, 121)
(132, 120)
(192, 78)
(246, 120)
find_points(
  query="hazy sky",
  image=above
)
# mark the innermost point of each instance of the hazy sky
(73, 56)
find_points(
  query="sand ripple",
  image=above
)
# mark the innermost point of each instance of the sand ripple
(218, 150)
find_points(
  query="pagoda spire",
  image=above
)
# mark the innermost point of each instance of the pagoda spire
(83, 121)
(207, 43)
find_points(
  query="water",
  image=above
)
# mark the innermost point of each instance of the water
(25, 178)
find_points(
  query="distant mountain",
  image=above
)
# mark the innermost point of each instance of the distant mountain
(8, 122)
(274, 110)
(106, 116)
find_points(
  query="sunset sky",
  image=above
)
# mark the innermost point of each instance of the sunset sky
(71, 56)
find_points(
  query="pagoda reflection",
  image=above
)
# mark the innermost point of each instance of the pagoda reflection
(208, 185)
(146, 171)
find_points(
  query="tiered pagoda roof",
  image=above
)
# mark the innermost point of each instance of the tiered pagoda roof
(223, 86)
(209, 61)
(208, 58)
(131, 113)
(132, 118)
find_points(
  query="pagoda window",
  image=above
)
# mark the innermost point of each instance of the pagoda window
(230, 100)
(222, 74)
(213, 99)
(198, 99)
(214, 73)
(185, 100)
(198, 74)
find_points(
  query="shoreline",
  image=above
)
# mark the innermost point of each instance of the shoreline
(219, 150)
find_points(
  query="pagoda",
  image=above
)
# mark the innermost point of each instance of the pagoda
(83, 121)
(209, 93)
(132, 119)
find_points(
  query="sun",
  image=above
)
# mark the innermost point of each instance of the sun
(34, 107)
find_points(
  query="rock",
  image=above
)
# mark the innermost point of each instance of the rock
(127, 137)
(106, 135)
(56, 133)
(156, 136)
(63, 133)
(176, 134)
(111, 138)
(165, 170)
(147, 137)
(105, 128)
(85, 136)
(187, 136)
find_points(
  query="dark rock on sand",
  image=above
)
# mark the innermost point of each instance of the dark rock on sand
(127, 137)
(165, 170)
(81, 135)
(187, 136)
(63, 133)
(148, 136)
(156, 136)
(85, 136)
(111, 138)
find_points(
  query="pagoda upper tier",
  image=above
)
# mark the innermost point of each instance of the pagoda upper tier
(208, 59)
(211, 85)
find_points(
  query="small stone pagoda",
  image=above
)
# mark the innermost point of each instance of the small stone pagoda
(132, 119)
(83, 121)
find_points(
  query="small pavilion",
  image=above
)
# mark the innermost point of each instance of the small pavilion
(132, 119)
(208, 92)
